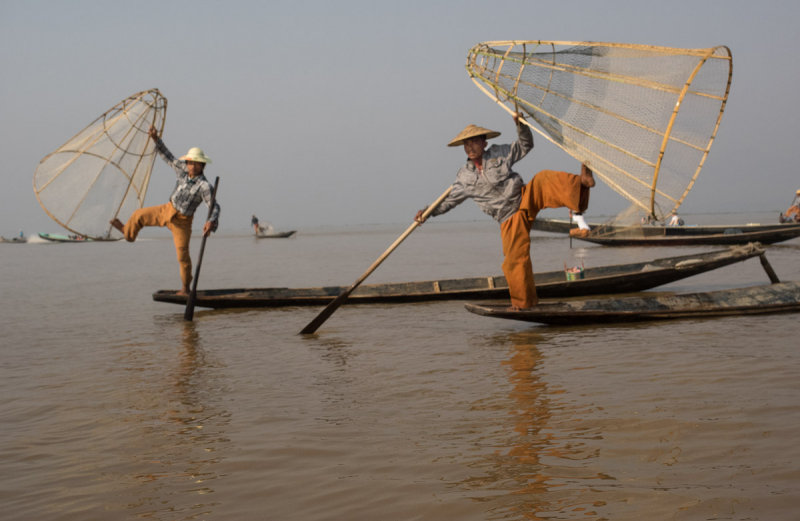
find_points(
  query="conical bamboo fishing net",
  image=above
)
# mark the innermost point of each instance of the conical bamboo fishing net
(103, 171)
(642, 117)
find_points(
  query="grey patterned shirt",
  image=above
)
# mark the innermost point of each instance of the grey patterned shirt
(497, 189)
(188, 192)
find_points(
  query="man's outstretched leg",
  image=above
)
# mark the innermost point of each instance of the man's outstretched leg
(149, 216)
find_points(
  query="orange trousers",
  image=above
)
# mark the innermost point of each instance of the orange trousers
(547, 189)
(181, 227)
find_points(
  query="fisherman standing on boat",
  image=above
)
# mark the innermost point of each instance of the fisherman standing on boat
(190, 189)
(674, 220)
(500, 192)
(792, 215)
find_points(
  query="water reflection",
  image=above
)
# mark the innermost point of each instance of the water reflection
(183, 431)
(539, 466)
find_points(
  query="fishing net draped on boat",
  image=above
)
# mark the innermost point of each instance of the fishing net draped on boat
(103, 171)
(642, 117)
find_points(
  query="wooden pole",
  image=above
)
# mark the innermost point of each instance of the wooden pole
(773, 277)
(189, 313)
(338, 301)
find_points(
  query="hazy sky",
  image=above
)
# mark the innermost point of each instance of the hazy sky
(338, 112)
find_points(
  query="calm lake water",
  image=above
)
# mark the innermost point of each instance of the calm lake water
(115, 408)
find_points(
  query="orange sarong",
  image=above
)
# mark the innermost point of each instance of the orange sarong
(547, 189)
(167, 216)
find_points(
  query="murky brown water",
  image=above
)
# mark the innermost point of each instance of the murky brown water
(115, 408)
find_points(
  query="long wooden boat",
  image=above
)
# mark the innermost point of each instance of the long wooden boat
(564, 225)
(782, 297)
(661, 238)
(636, 276)
(276, 235)
(55, 237)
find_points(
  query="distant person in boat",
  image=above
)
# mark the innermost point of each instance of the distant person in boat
(792, 215)
(191, 189)
(500, 192)
(254, 222)
(674, 220)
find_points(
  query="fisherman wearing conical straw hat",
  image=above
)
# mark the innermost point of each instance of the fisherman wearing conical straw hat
(500, 192)
(191, 189)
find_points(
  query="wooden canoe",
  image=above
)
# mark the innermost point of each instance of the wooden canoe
(276, 235)
(54, 237)
(14, 240)
(564, 226)
(657, 235)
(782, 297)
(596, 281)
(661, 238)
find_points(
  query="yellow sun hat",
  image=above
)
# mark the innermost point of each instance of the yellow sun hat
(472, 131)
(197, 155)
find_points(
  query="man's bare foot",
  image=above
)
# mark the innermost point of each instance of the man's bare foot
(587, 179)
(182, 292)
(116, 223)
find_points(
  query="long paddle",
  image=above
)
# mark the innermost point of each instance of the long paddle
(338, 301)
(188, 314)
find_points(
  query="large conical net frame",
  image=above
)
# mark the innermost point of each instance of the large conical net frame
(103, 171)
(642, 117)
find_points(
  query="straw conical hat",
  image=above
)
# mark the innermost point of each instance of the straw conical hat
(472, 131)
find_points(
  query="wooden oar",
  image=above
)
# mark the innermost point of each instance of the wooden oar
(338, 301)
(188, 314)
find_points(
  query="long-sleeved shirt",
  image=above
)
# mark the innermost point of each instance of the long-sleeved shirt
(188, 192)
(497, 189)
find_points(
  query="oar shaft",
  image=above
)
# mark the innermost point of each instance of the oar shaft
(338, 301)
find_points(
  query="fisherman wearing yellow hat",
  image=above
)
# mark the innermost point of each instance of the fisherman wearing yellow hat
(191, 188)
(792, 215)
(487, 178)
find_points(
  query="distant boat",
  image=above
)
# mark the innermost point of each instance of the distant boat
(54, 237)
(266, 231)
(781, 297)
(658, 235)
(564, 225)
(275, 235)
(15, 240)
(594, 281)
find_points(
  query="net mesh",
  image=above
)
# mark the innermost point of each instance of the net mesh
(642, 117)
(103, 171)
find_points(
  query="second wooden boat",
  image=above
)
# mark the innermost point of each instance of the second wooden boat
(564, 225)
(657, 235)
(734, 236)
(782, 297)
(621, 278)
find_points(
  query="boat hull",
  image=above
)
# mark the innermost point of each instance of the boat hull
(780, 297)
(653, 235)
(276, 235)
(596, 281)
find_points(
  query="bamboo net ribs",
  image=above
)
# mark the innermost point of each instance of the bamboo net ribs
(642, 117)
(103, 171)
